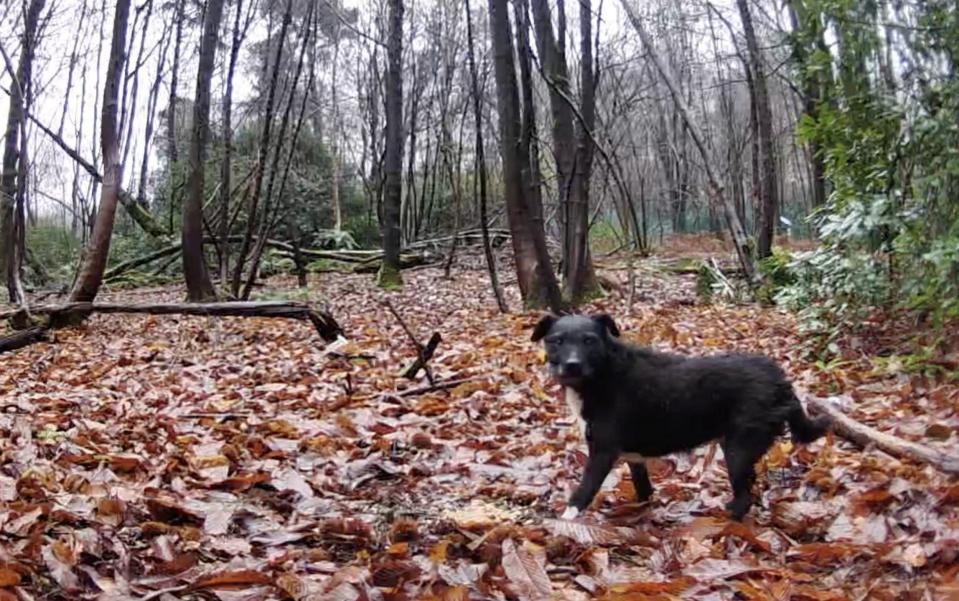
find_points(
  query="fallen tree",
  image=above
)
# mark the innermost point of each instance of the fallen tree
(363, 261)
(865, 436)
(67, 314)
(471, 237)
(12, 342)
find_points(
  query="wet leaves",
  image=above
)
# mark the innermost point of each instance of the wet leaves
(188, 458)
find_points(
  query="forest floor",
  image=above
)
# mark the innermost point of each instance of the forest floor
(227, 458)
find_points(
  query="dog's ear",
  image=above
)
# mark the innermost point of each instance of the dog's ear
(542, 327)
(607, 322)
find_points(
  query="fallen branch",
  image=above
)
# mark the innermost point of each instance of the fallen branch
(864, 436)
(12, 342)
(472, 237)
(73, 313)
(445, 385)
(424, 355)
(363, 261)
(420, 349)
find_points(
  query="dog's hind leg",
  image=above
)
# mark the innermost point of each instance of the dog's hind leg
(742, 451)
(641, 483)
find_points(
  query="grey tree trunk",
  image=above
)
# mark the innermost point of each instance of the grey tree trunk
(226, 165)
(481, 164)
(572, 146)
(198, 285)
(262, 154)
(94, 262)
(537, 282)
(389, 275)
(768, 164)
(11, 182)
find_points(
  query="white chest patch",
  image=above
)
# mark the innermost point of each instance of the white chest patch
(575, 404)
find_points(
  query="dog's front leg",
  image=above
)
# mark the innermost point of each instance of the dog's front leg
(598, 465)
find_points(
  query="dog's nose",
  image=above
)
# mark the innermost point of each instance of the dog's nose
(573, 368)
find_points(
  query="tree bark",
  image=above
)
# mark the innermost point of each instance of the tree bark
(389, 275)
(570, 147)
(151, 116)
(11, 184)
(198, 285)
(172, 152)
(272, 206)
(737, 231)
(335, 135)
(534, 273)
(226, 165)
(769, 165)
(481, 163)
(91, 270)
(581, 284)
(264, 148)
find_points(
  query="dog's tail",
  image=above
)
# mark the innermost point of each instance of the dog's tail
(803, 428)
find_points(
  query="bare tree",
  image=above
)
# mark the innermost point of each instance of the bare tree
(12, 180)
(95, 260)
(481, 162)
(197, 277)
(263, 152)
(768, 164)
(393, 164)
(572, 146)
(736, 228)
(537, 282)
(240, 27)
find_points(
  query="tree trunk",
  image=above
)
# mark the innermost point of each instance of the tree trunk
(737, 231)
(198, 285)
(581, 283)
(812, 86)
(151, 116)
(572, 148)
(537, 283)
(262, 153)
(334, 137)
(226, 165)
(389, 275)
(769, 180)
(481, 163)
(90, 275)
(10, 184)
(273, 205)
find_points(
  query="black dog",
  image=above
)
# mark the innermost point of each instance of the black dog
(639, 403)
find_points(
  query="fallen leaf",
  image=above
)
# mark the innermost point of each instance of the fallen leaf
(597, 534)
(230, 579)
(525, 571)
(708, 570)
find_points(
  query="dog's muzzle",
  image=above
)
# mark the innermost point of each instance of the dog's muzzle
(568, 373)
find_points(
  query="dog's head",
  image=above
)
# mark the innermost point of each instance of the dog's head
(577, 346)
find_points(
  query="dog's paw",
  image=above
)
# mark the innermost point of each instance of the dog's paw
(570, 513)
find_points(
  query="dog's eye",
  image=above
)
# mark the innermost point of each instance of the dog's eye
(555, 341)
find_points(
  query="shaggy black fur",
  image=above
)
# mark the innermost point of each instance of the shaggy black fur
(639, 403)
